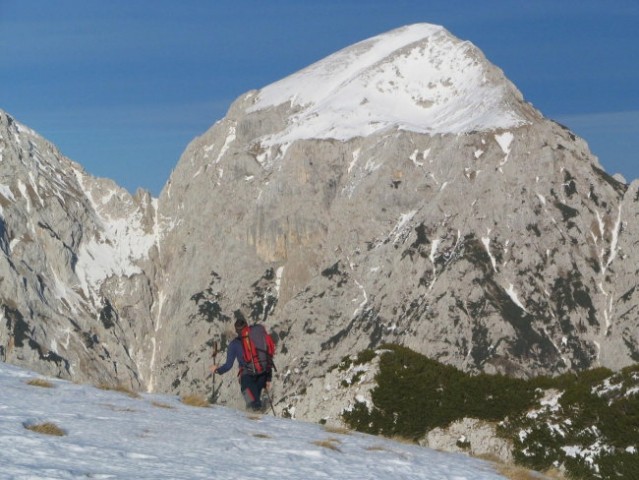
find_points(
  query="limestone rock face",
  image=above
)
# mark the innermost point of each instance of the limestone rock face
(75, 265)
(471, 436)
(400, 190)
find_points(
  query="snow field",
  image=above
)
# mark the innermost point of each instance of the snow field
(110, 435)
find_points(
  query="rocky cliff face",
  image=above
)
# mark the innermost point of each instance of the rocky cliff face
(400, 190)
(75, 268)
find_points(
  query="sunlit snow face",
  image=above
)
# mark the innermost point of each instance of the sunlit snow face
(418, 78)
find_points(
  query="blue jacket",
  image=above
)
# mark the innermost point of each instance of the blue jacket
(234, 352)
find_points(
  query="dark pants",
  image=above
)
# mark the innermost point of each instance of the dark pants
(252, 386)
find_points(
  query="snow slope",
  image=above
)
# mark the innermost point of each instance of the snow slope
(110, 435)
(418, 78)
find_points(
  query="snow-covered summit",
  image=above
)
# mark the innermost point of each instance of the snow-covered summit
(418, 78)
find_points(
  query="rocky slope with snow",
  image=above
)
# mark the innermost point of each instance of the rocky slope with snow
(400, 190)
(76, 265)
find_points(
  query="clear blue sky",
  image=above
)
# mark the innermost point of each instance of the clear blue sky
(121, 86)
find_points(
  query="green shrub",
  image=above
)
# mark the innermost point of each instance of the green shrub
(415, 394)
(595, 411)
(620, 465)
(365, 356)
(345, 364)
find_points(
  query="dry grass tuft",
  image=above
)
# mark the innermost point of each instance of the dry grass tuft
(162, 405)
(195, 401)
(261, 435)
(376, 448)
(330, 443)
(554, 474)
(47, 428)
(337, 430)
(115, 408)
(40, 382)
(404, 440)
(489, 457)
(515, 472)
(119, 388)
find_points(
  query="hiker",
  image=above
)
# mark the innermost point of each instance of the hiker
(253, 349)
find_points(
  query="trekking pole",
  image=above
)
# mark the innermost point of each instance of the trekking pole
(215, 352)
(268, 395)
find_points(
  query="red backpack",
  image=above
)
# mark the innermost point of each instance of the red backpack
(258, 349)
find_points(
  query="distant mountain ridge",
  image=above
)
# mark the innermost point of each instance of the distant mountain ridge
(399, 191)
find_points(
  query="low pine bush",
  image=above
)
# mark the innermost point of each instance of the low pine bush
(588, 423)
(415, 394)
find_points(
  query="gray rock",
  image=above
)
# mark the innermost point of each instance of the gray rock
(473, 437)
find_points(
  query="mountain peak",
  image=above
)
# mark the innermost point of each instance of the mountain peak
(418, 78)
